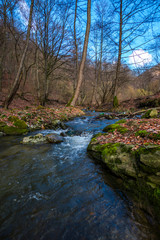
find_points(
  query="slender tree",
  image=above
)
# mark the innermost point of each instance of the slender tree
(84, 54)
(18, 77)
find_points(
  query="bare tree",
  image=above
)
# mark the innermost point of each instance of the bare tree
(19, 73)
(85, 46)
(50, 31)
(6, 16)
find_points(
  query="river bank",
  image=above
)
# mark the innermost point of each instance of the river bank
(131, 150)
(18, 121)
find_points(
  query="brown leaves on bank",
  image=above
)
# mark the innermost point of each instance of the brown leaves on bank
(152, 126)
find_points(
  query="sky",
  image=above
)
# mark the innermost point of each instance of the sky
(138, 58)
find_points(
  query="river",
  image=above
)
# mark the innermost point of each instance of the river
(55, 191)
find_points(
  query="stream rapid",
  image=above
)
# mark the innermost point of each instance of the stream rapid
(55, 191)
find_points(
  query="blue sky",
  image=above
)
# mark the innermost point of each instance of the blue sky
(139, 53)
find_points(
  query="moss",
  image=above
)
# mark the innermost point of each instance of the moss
(113, 127)
(40, 107)
(14, 130)
(110, 149)
(126, 148)
(69, 103)
(118, 161)
(20, 124)
(94, 138)
(141, 133)
(157, 193)
(148, 149)
(147, 114)
(115, 102)
(121, 121)
(2, 124)
(13, 118)
(155, 136)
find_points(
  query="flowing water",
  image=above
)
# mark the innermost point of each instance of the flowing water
(58, 192)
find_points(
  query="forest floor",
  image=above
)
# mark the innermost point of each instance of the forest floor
(136, 132)
(38, 116)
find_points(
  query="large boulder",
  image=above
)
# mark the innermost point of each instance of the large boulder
(18, 127)
(139, 169)
(54, 138)
(116, 156)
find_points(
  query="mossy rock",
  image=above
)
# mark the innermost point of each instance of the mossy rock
(17, 122)
(155, 136)
(141, 133)
(40, 107)
(20, 124)
(152, 113)
(10, 130)
(139, 169)
(19, 128)
(113, 127)
(150, 157)
(116, 156)
(121, 121)
(13, 118)
(2, 125)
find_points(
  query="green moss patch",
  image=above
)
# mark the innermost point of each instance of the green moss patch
(113, 127)
(10, 130)
(141, 133)
(20, 124)
(121, 121)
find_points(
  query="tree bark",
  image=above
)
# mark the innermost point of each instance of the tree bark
(85, 46)
(3, 53)
(76, 47)
(19, 73)
(119, 51)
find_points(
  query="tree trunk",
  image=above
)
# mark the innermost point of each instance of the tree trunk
(119, 52)
(76, 47)
(3, 53)
(19, 73)
(85, 46)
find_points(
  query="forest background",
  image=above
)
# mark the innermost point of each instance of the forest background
(42, 51)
